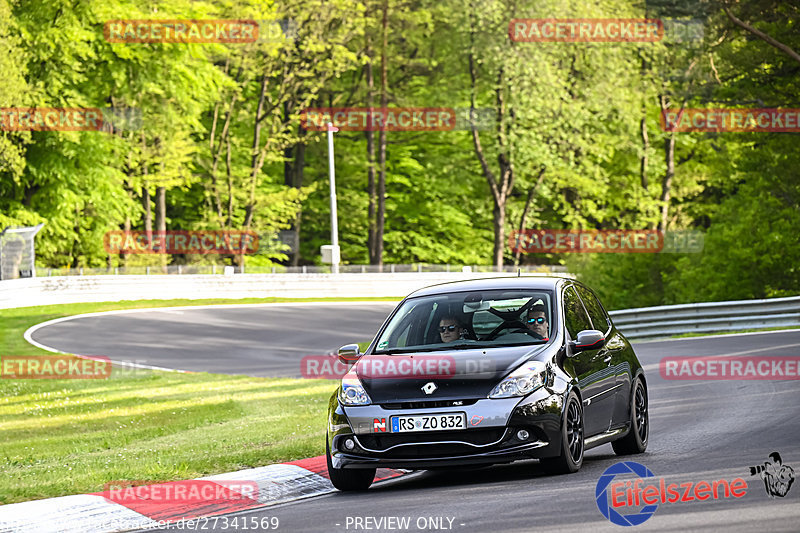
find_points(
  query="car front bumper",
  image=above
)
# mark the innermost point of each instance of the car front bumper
(492, 434)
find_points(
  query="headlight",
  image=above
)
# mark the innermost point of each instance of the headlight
(521, 381)
(352, 391)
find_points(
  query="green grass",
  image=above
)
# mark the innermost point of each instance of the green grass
(71, 436)
(712, 334)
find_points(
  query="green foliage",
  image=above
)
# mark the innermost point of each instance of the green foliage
(221, 135)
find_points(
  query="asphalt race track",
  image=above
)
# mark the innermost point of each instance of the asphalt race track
(700, 430)
(256, 340)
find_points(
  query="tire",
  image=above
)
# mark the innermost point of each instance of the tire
(348, 480)
(572, 444)
(636, 439)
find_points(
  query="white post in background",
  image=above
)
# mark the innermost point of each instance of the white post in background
(334, 218)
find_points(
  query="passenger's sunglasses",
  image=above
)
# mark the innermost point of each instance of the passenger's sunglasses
(538, 320)
(451, 327)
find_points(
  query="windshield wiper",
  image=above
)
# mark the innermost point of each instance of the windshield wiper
(435, 348)
(534, 342)
(395, 351)
(455, 345)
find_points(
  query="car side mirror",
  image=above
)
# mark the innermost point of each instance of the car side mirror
(349, 353)
(588, 339)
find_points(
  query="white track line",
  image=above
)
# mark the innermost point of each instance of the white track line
(28, 335)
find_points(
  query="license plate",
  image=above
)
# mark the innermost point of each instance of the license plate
(435, 422)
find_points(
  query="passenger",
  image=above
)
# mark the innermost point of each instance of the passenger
(537, 321)
(450, 329)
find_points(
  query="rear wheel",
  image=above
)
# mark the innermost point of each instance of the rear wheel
(572, 444)
(347, 480)
(636, 439)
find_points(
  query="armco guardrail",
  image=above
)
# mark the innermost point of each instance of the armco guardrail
(707, 317)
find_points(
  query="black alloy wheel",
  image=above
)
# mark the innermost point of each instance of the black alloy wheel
(572, 443)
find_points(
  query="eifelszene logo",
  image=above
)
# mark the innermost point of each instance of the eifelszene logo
(639, 501)
(607, 508)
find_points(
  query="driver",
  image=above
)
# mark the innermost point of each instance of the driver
(536, 321)
(450, 329)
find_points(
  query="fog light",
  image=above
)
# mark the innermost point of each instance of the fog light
(349, 444)
(523, 435)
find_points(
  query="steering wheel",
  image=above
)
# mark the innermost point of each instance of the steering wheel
(520, 328)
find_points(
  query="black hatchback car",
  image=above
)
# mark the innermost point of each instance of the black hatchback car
(487, 371)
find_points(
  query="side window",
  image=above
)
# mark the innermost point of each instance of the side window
(596, 312)
(574, 314)
(402, 339)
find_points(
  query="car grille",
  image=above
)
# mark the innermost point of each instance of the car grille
(458, 443)
(435, 404)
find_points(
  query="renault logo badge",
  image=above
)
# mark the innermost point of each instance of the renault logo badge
(429, 387)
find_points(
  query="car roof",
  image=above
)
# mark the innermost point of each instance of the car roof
(484, 284)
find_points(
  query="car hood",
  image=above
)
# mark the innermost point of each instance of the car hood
(456, 374)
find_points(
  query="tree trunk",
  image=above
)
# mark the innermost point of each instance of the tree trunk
(500, 187)
(499, 224)
(669, 159)
(127, 228)
(381, 215)
(161, 220)
(372, 226)
(148, 212)
(299, 168)
(293, 167)
(643, 124)
(523, 218)
(256, 161)
(645, 150)
(229, 180)
(666, 184)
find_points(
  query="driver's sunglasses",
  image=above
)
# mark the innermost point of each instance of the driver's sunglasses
(537, 320)
(451, 327)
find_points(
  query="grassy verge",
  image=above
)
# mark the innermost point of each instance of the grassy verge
(72, 436)
(714, 334)
(687, 335)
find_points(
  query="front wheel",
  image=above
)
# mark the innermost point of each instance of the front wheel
(572, 444)
(636, 439)
(347, 480)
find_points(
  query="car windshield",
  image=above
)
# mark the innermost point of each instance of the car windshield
(464, 320)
